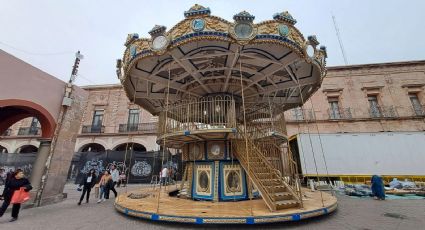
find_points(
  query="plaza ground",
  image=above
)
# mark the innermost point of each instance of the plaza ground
(352, 213)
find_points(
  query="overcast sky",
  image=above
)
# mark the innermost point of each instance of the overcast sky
(46, 34)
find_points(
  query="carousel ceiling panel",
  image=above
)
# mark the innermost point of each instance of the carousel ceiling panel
(204, 55)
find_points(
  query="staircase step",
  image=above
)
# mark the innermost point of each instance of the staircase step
(276, 188)
(286, 204)
(283, 196)
(269, 182)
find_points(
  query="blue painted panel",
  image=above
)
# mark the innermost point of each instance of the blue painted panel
(195, 181)
(221, 183)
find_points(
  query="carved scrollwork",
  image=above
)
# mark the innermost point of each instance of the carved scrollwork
(213, 24)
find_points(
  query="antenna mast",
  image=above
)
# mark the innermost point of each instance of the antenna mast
(340, 40)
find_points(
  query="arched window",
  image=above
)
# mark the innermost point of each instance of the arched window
(92, 147)
(27, 149)
(130, 145)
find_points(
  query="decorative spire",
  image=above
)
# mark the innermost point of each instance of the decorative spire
(197, 10)
(244, 16)
(323, 49)
(286, 17)
(313, 40)
(131, 38)
(157, 29)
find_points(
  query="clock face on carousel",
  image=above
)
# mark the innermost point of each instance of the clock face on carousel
(215, 149)
(159, 42)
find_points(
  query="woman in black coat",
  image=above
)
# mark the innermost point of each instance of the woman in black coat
(88, 183)
(14, 183)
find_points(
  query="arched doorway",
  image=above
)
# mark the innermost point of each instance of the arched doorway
(3, 149)
(88, 156)
(27, 149)
(14, 110)
(130, 146)
(92, 147)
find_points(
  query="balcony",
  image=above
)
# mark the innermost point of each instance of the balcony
(418, 111)
(299, 114)
(211, 113)
(93, 129)
(29, 131)
(383, 112)
(140, 127)
(340, 114)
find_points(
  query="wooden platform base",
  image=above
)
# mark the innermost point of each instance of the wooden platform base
(173, 209)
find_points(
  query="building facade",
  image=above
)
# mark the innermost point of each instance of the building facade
(385, 97)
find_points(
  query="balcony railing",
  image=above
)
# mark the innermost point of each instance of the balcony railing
(6, 133)
(383, 112)
(93, 129)
(418, 111)
(29, 131)
(213, 112)
(302, 114)
(341, 113)
(140, 127)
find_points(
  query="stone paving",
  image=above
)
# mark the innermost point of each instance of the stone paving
(352, 213)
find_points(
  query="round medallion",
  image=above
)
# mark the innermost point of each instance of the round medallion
(159, 42)
(310, 51)
(215, 150)
(198, 24)
(283, 30)
(243, 30)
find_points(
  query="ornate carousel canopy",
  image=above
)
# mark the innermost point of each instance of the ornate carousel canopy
(205, 55)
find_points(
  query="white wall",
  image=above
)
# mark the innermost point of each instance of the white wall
(390, 153)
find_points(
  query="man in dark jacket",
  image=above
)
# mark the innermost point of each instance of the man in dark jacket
(88, 183)
(13, 184)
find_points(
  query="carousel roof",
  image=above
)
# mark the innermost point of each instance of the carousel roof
(205, 55)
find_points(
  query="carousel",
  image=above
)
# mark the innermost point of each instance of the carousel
(220, 89)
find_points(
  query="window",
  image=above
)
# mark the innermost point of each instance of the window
(298, 114)
(34, 126)
(97, 120)
(416, 104)
(133, 119)
(374, 106)
(334, 111)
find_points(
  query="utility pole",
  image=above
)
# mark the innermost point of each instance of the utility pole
(66, 103)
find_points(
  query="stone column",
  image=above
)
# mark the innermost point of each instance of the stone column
(40, 163)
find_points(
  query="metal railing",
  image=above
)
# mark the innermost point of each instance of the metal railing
(341, 113)
(299, 114)
(212, 112)
(29, 131)
(383, 112)
(418, 111)
(93, 129)
(151, 127)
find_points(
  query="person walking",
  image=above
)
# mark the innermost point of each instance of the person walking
(14, 183)
(103, 186)
(88, 183)
(115, 175)
(164, 176)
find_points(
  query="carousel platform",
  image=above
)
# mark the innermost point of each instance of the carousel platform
(143, 204)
